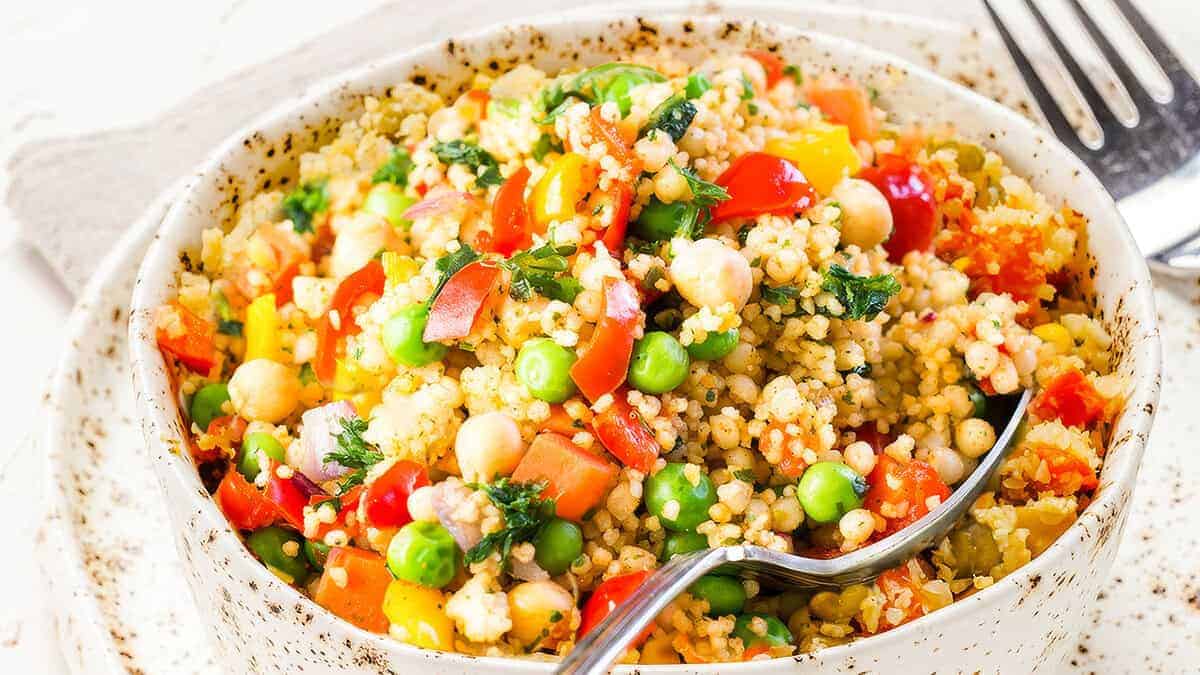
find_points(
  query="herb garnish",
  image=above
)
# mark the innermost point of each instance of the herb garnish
(540, 270)
(227, 323)
(672, 116)
(793, 71)
(747, 88)
(697, 84)
(862, 297)
(353, 452)
(303, 203)
(704, 193)
(602, 83)
(395, 170)
(449, 265)
(473, 157)
(779, 295)
(524, 514)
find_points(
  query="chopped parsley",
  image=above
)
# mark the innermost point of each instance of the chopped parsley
(862, 297)
(395, 170)
(673, 116)
(793, 71)
(354, 453)
(779, 295)
(862, 370)
(475, 158)
(744, 474)
(545, 145)
(747, 88)
(541, 270)
(600, 84)
(704, 193)
(525, 512)
(227, 323)
(307, 375)
(449, 265)
(301, 204)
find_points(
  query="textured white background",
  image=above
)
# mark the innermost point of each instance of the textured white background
(72, 66)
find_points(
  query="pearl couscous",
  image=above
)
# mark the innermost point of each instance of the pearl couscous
(490, 361)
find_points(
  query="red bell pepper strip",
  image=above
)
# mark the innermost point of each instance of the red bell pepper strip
(772, 65)
(283, 284)
(618, 198)
(186, 337)
(510, 215)
(462, 303)
(607, 596)
(368, 280)
(759, 183)
(845, 102)
(385, 502)
(244, 506)
(622, 432)
(603, 367)
(287, 497)
(352, 587)
(909, 193)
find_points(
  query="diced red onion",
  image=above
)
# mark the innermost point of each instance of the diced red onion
(437, 203)
(447, 496)
(318, 438)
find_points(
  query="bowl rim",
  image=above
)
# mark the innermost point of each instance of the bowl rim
(150, 373)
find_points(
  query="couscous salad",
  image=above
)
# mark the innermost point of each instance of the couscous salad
(483, 364)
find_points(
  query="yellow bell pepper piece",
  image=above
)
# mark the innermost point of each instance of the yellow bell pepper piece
(1057, 335)
(262, 329)
(418, 615)
(823, 153)
(352, 383)
(398, 268)
(555, 195)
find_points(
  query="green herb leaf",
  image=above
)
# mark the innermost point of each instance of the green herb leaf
(524, 514)
(307, 376)
(779, 295)
(543, 270)
(301, 204)
(862, 370)
(473, 157)
(697, 84)
(353, 452)
(544, 145)
(747, 88)
(704, 193)
(449, 265)
(863, 297)
(227, 321)
(673, 116)
(793, 71)
(599, 84)
(229, 327)
(395, 170)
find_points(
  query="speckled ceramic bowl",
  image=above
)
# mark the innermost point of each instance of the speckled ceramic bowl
(1020, 624)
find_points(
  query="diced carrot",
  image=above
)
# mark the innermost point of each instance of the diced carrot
(845, 102)
(622, 432)
(352, 587)
(575, 478)
(560, 422)
(902, 492)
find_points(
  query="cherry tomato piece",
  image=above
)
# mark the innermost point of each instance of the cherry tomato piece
(759, 183)
(909, 193)
(385, 502)
(605, 599)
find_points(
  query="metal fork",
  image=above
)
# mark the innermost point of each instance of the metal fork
(597, 651)
(1148, 160)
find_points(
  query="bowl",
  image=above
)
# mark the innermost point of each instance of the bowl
(1025, 621)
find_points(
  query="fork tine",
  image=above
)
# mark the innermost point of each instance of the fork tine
(1108, 122)
(1154, 41)
(1045, 100)
(1137, 91)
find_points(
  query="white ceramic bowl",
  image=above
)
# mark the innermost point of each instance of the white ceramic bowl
(1024, 622)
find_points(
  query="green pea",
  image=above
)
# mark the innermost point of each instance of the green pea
(677, 543)
(829, 490)
(725, 595)
(402, 338)
(316, 552)
(659, 221)
(691, 501)
(273, 546)
(659, 363)
(206, 404)
(776, 634)
(389, 201)
(248, 459)
(715, 346)
(978, 399)
(557, 545)
(423, 553)
(544, 367)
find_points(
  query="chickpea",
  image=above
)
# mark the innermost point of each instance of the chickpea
(866, 216)
(974, 437)
(540, 609)
(360, 239)
(857, 526)
(487, 446)
(709, 274)
(264, 391)
(860, 456)
(948, 464)
(420, 504)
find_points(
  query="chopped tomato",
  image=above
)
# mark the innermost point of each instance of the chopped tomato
(614, 141)
(909, 193)
(997, 257)
(616, 201)
(510, 215)
(368, 280)
(771, 63)
(901, 492)
(1069, 398)
(1069, 473)
(759, 183)
(576, 479)
(869, 434)
(604, 364)
(622, 432)
(605, 599)
(846, 102)
(186, 337)
(227, 429)
(349, 502)
(283, 284)
(352, 587)
(562, 423)
(244, 506)
(287, 497)
(462, 304)
(385, 503)
(900, 592)
(776, 438)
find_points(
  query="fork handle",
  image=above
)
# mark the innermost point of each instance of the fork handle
(607, 642)
(1180, 260)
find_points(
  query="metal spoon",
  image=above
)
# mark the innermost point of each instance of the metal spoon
(603, 645)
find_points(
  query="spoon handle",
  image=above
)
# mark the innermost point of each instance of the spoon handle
(607, 642)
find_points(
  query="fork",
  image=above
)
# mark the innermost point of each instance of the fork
(1148, 151)
(604, 644)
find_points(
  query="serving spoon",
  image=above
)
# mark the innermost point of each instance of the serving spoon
(604, 644)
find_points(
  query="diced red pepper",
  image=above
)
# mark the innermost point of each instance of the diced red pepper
(368, 280)
(352, 587)
(909, 193)
(385, 502)
(1069, 473)
(186, 337)
(614, 141)
(900, 492)
(287, 497)
(771, 63)
(618, 199)
(576, 479)
(349, 503)
(901, 592)
(461, 305)
(283, 284)
(227, 429)
(1069, 398)
(759, 183)
(603, 367)
(845, 102)
(510, 216)
(622, 432)
(607, 596)
(242, 503)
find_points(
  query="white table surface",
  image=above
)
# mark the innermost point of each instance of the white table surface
(73, 66)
